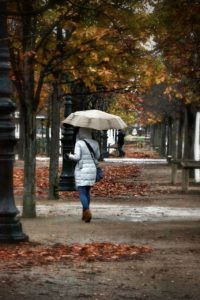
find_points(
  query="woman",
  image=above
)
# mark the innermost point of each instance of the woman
(85, 170)
(120, 143)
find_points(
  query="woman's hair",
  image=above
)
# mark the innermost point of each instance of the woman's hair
(84, 133)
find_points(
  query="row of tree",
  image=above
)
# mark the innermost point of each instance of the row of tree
(176, 27)
(107, 55)
(58, 47)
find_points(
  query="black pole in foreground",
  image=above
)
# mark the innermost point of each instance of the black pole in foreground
(10, 227)
(67, 181)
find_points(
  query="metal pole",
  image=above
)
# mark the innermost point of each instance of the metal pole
(67, 182)
(104, 151)
(10, 227)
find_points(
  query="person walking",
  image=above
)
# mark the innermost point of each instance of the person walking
(85, 169)
(120, 142)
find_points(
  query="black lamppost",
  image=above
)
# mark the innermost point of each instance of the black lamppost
(10, 227)
(67, 181)
(104, 149)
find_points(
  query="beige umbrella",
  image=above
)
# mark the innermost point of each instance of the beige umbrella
(95, 119)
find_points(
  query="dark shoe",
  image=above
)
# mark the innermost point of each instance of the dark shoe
(87, 216)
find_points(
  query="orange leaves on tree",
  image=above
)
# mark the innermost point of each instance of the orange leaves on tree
(127, 107)
(176, 38)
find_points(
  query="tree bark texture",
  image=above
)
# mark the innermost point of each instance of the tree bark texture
(29, 107)
(189, 131)
(29, 207)
(54, 145)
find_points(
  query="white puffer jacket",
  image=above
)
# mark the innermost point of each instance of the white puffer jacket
(85, 170)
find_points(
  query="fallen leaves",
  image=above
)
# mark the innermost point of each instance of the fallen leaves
(138, 155)
(27, 254)
(131, 152)
(119, 180)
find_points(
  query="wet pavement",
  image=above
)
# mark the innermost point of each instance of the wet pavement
(164, 219)
(130, 213)
(136, 160)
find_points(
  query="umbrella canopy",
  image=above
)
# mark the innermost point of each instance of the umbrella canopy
(95, 119)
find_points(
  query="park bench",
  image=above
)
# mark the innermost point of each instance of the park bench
(175, 164)
(186, 166)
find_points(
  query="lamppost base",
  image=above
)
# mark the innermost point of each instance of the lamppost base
(105, 154)
(67, 184)
(11, 233)
(10, 227)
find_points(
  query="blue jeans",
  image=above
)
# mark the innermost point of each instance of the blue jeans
(84, 195)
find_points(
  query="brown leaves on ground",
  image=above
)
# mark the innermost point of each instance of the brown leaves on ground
(119, 180)
(138, 154)
(42, 176)
(132, 152)
(27, 254)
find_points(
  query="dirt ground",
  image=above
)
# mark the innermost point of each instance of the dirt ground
(170, 272)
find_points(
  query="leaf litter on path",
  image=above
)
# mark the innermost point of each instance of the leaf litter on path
(118, 180)
(29, 254)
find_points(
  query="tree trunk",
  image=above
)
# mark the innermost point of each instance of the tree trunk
(29, 206)
(157, 137)
(21, 143)
(180, 137)
(29, 116)
(189, 129)
(54, 146)
(163, 139)
(48, 121)
(189, 133)
(174, 138)
(169, 137)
